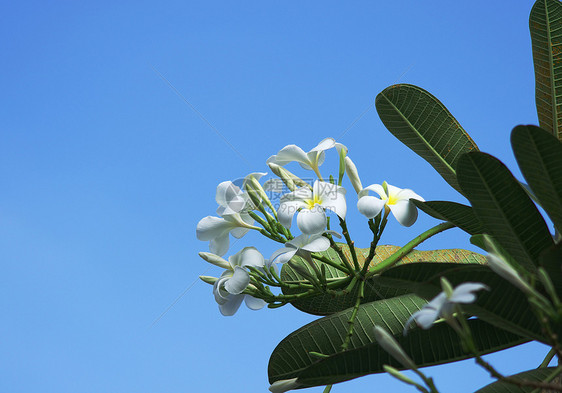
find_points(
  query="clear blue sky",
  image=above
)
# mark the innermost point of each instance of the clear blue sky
(105, 171)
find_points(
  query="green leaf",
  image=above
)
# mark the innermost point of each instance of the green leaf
(503, 207)
(536, 375)
(458, 214)
(539, 156)
(421, 122)
(551, 260)
(440, 344)
(327, 303)
(546, 36)
(504, 306)
(478, 241)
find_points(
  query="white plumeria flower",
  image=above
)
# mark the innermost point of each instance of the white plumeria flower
(216, 230)
(311, 160)
(311, 205)
(302, 245)
(442, 306)
(232, 199)
(230, 285)
(284, 385)
(397, 200)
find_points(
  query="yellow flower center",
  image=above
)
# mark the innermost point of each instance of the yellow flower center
(312, 202)
(392, 200)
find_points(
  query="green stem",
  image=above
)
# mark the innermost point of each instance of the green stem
(549, 356)
(554, 374)
(390, 261)
(272, 237)
(377, 228)
(350, 243)
(351, 321)
(327, 389)
(340, 253)
(328, 261)
(522, 382)
(303, 295)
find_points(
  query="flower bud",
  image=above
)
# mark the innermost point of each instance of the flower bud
(215, 260)
(208, 279)
(284, 385)
(290, 179)
(504, 270)
(255, 187)
(446, 287)
(353, 175)
(398, 375)
(390, 345)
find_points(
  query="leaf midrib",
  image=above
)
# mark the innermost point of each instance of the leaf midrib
(489, 190)
(435, 153)
(551, 67)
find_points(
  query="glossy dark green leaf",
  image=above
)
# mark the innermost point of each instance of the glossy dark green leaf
(292, 358)
(551, 260)
(539, 156)
(423, 123)
(536, 375)
(327, 303)
(545, 24)
(458, 214)
(503, 208)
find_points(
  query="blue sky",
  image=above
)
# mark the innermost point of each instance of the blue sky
(106, 171)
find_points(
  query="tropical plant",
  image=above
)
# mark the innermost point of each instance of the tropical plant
(389, 308)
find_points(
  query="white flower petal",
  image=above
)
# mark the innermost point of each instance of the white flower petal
(378, 189)
(211, 227)
(312, 221)
(325, 144)
(287, 210)
(311, 159)
(221, 296)
(392, 190)
(252, 257)
(238, 282)
(219, 245)
(253, 303)
(336, 204)
(228, 192)
(298, 241)
(407, 194)
(239, 232)
(464, 293)
(240, 223)
(340, 147)
(370, 206)
(288, 154)
(405, 212)
(283, 257)
(232, 305)
(424, 317)
(437, 302)
(317, 243)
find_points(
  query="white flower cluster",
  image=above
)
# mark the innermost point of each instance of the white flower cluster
(236, 213)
